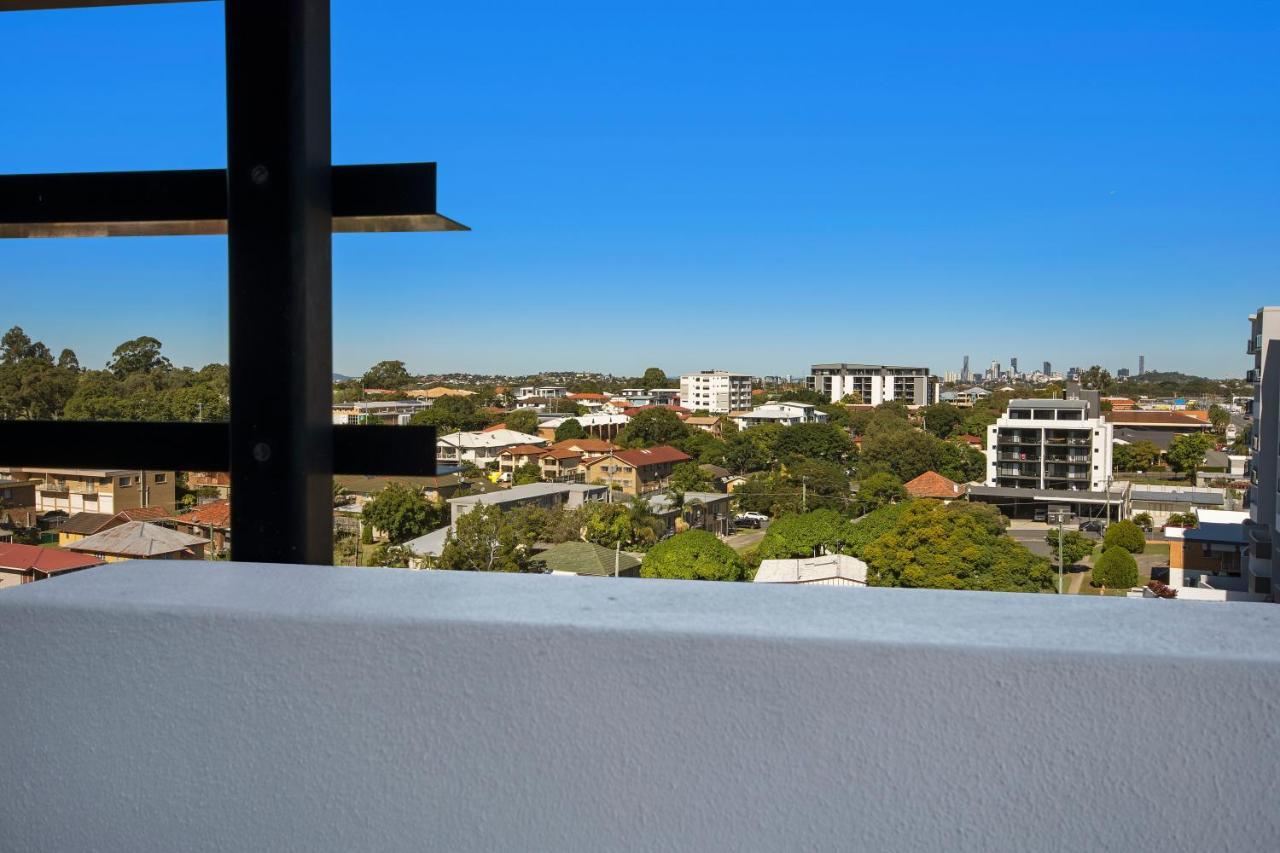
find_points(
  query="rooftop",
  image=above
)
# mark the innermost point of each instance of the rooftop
(47, 561)
(137, 539)
(587, 558)
(931, 484)
(812, 570)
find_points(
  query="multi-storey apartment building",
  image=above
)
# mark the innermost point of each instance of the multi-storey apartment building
(716, 391)
(73, 490)
(1264, 447)
(874, 383)
(1051, 453)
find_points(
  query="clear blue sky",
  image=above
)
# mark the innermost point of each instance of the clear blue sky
(750, 186)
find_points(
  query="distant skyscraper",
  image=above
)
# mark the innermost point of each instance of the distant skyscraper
(964, 371)
(1122, 373)
(1048, 368)
(993, 372)
(1013, 365)
(1142, 364)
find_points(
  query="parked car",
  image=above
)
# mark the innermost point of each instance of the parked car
(747, 521)
(758, 516)
(1093, 525)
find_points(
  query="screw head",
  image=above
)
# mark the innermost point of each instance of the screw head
(259, 174)
(261, 451)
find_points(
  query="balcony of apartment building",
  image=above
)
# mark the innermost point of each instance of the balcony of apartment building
(1067, 438)
(1019, 438)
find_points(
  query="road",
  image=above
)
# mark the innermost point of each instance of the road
(746, 539)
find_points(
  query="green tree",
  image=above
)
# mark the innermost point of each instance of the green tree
(565, 406)
(1075, 546)
(138, 356)
(941, 419)
(689, 477)
(633, 524)
(1126, 535)
(386, 374)
(1097, 378)
(652, 427)
(654, 377)
(451, 414)
(390, 556)
(807, 535)
(1219, 417)
(814, 441)
(527, 473)
(693, 555)
(1143, 520)
(569, 430)
(932, 545)
(401, 512)
(1116, 568)
(1186, 453)
(67, 360)
(483, 541)
(803, 395)
(879, 490)
(522, 420)
(752, 449)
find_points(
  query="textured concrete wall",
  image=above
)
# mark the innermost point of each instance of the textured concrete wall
(185, 706)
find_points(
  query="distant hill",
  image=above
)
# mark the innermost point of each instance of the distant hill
(338, 377)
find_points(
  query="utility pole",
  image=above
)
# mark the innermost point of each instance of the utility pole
(804, 494)
(617, 556)
(1106, 522)
(1059, 554)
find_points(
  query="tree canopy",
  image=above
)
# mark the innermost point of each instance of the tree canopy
(452, 414)
(402, 512)
(387, 374)
(689, 477)
(484, 541)
(1125, 534)
(1075, 546)
(934, 546)
(522, 420)
(654, 377)
(807, 535)
(1186, 452)
(570, 429)
(693, 555)
(651, 427)
(1116, 568)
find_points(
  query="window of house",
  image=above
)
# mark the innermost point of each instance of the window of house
(160, 478)
(124, 482)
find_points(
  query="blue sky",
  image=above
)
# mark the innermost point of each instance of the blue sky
(747, 186)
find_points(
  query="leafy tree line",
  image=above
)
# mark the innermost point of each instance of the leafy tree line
(138, 384)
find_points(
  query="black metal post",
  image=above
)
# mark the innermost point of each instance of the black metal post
(278, 240)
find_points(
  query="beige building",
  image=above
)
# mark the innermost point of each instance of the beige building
(107, 491)
(635, 472)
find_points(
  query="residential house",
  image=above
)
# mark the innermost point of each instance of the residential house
(635, 472)
(965, 398)
(210, 481)
(212, 520)
(1162, 501)
(1120, 404)
(21, 564)
(971, 440)
(73, 490)
(546, 392)
(17, 493)
(559, 465)
(141, 540)
(713, 424)
(84, 524)
(933, 485)
(824, 570)
(549, 495)
(719, 475)
(386, 412)
(733, 482)
(1160, 428)
(707, 511)
(480, 448)
(512, 458)
(587, 448)
(597, 426)
(715, 391)
(782, 414)
(587, 559)
(437, 488)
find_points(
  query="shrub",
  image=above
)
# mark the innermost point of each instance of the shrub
(1116, 568)
(693, 555)
(1126, 535)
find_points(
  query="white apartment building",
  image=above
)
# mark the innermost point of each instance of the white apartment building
(1264, 448)
(783, 414)
(480, 448)
(874, 383)
(716, 391)
(1046, 454)
(525, 392)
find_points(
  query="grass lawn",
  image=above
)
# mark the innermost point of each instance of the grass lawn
(1144, 571)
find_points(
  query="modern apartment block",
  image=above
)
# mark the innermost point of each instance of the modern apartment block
(874, 383)
(1052, 453)
(1264, 447)
(102, 491)
(716, 391)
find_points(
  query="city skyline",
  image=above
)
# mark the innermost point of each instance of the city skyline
(875, 164)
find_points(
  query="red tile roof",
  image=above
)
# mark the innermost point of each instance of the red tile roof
(212, 514)
(561, 453)
(931, 484)
(45, 560)
(523, 450)
(651, 456)
(494, 427)
(969, 439)
(588, 395)
(1129, 418)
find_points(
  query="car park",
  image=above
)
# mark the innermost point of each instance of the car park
(1093, 525)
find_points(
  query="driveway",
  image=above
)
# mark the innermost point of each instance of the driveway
(746, 539)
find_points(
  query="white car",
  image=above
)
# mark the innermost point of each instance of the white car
(754, 516)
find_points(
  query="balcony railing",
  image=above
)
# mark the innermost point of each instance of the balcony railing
(251, 707)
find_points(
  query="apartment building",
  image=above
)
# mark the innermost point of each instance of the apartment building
(874, 384)
(1264, 447)
(635, 472)
(480, 448)
(109, 491)
(1045, 455)
(387, 412)
(715, 391)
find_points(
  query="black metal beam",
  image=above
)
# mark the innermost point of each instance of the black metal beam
(392, 197)
(374, 450)
(29, 5)
(279, 227)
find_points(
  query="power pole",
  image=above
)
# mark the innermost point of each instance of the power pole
(1059, 554)
(804, 494)
(617, 555)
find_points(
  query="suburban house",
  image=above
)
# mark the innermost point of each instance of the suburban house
(1162, 501)
(587, 448)
(721, 476)
(783, 414)
(141, 540)
(212, 520)
(481, 447)
(635, 472)
(601, 425)
(1208, 562)
(25, 563)
(931, 484)
(713, 424)
(964, 398)
(560, 465)
(386, 412)
(515, 457)
(588, 560)
(73, 490)
(971, 440)
(549, 495)
(707, 511)
(217, 481)
(825, 570)
(84, 524)
(1160, 428)
(17, 493)
(545, 392)
(437, 488)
